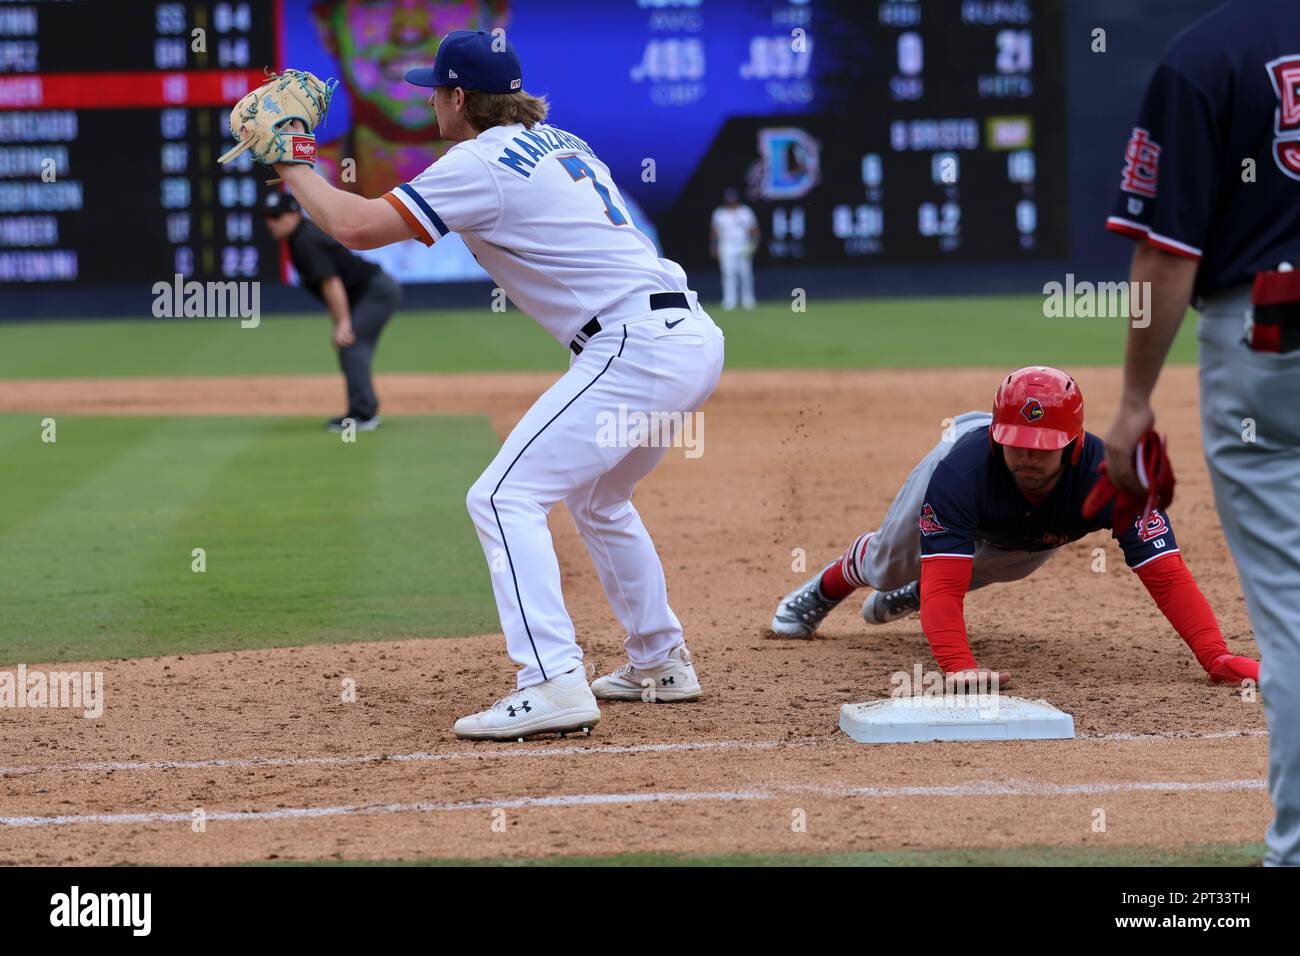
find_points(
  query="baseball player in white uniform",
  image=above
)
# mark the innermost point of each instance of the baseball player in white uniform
(542, 215)
(733, 235)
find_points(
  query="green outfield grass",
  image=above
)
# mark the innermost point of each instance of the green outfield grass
(1002, 332)
(1213, 854)
(308, 539)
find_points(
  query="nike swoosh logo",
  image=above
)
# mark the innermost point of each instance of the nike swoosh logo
(673, 324)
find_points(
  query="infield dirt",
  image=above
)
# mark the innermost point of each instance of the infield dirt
(281, 768)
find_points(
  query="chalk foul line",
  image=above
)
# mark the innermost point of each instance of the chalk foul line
(980, 788)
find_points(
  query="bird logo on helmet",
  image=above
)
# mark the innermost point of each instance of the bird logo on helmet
(1033, 410)
(1038, 407)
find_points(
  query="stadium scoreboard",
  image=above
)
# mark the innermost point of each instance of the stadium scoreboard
(860, 131)
(112, 115)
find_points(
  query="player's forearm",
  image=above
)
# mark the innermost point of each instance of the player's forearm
(336, 300)
(1165, 282)
(1170, 583)
(355, 221)
(944, 582)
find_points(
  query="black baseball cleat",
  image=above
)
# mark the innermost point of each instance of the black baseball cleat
(360, 424)
(881, 607)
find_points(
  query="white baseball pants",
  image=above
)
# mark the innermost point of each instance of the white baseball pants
(561, 450)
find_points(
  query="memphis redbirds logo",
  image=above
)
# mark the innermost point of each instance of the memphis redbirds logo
(1142, 164)
(1032, 411)
(929, 523)
(1284, 74)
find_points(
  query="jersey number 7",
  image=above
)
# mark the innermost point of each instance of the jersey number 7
(578, 169)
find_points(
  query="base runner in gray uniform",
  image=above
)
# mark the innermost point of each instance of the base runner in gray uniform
(1211, 189)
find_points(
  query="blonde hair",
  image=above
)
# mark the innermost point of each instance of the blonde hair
(485, 110)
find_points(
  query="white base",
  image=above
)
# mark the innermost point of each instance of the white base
(916, 719)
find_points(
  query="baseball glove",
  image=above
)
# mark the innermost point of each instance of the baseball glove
(1154, 470)
(260, 120)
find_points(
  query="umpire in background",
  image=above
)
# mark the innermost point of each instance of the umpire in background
(1211, 191)
(360, 296)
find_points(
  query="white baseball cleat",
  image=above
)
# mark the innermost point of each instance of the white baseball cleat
(881, 607)
(802, 611)
(672, 682)
(564, 704)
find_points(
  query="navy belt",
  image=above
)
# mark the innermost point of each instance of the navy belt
(658, 300)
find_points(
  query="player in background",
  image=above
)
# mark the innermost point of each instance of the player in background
(733, 237)
(1210, 190)
(992, 502)
(360, 296)
(541, 213)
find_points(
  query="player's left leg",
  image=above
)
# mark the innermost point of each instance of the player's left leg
(991, 566)
(730, 279)
(659, 667)
(746, 267)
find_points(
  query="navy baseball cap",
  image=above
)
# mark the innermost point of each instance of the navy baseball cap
(466, 59)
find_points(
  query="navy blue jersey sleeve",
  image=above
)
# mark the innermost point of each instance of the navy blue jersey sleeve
(949, 514)
(1143, 545)
(1169, 184)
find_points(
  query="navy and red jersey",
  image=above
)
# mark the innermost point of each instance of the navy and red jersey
(973, 498)
(1227, 91)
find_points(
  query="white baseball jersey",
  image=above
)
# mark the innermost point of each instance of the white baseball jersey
(733, 227)
(542, 215)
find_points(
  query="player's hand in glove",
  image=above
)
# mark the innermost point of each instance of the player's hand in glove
(263, 120)
(1155, 476)
(343, 335)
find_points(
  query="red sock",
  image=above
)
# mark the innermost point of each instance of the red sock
(834, 586)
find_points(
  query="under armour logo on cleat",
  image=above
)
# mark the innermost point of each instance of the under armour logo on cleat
(668, 680)
(514, 711)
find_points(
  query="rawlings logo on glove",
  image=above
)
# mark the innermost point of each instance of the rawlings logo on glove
(1151, 462)
(260, 120)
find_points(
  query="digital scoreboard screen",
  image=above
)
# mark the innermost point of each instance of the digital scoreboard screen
(860, 131)
(936, 133)
(110, 116)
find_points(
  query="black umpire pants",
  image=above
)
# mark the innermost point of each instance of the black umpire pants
(370, 313)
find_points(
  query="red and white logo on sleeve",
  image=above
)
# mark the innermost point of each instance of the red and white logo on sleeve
(1156, 526)
(1284, 73)
(929, 523)
(1142, 164)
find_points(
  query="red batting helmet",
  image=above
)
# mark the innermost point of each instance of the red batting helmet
(1038, 407)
